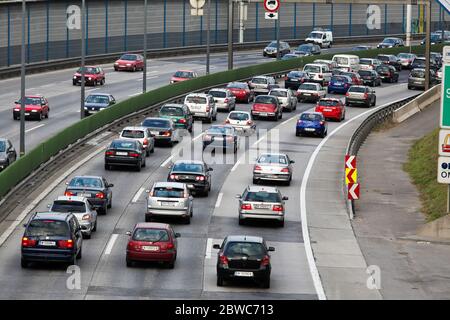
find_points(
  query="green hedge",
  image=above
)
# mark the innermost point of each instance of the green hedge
(43, 152)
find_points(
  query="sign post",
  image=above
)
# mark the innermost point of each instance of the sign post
(351, 177)
(272, 7)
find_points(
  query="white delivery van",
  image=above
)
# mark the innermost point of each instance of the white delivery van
(322, 37)
(347, 62)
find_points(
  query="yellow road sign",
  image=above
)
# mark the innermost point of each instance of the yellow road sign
(351, 175)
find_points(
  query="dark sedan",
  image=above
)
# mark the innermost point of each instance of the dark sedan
(294, 79)
(163, 130)
(97, 102)
(7, 153)
(94, 188)
(370, 77)
(388, 73)
(196, 174)
(308, 49)
(391, 60)
(390, 43)
(128, 153)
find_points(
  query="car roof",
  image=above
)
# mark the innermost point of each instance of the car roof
(124, 140)
(152, 225)
(264, 77)
(262, 188)
(279, 89)
(330, 99)
(137, 128)
(315, 84)
(272, 154)
(3, 139)
(221, 126)
(358, 86)
(314, 64)
(34, 96)
(243, 238)
(172, 105)
(60, 216)
(184, 71)
(99, 94)
(239, 111)
(169, 184)
(71, 198)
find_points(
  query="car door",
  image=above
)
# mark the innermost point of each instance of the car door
(108, 190)
(101, 73)
(75, 229)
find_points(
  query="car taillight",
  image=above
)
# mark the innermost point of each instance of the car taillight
(167, 134)
(145, 142)
(69, 194)
(207, 137)
(372, 66)
(347, 94)
(227, 121)
(346, 85)
(26, 242)
(208, 108)
(133, 154)
(186, 195)
(285, 170)
(230, 138)
(65, 244)
(100, 195)
(249, 122)
(277, 208)
(258, 168)
(322, 123)
(299, 121)
(182, 121)
(173, 177)
(265, 261)
(110, 153)
(246, 206)
(200, 178)
(366, 96)
(226, 100)
(170, 246)
(320, 76)
(223, 260)
(134, 245)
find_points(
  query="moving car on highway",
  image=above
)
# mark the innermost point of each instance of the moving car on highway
(141, 134)
(163, 130)
(266, 107)
(370, 78)
(310, 91)
(331, 108)
(312, 123)
(179, 114)
(183, 75)
(36, 107)
(439, 75)
(125, 153)
(202, 106)
(261, 84)
(435, 38)
(51, 237)
(224, 99)
(223, 137)
(330, 63)
(346, 62)
(286, 98)
(361, 48)
(241, 91)
(390, 43)
(94, 188)
(391, 60)
(241, 121)
(195, 173)
(273, 167)
(96, 102)
(354, 76)
(82, 210)
(152, 242)
(262, 203)
(7, 153)
(243, 257)
(93, 76)
(320, 36)
(169, 199)
(318, 73)
(307, 49)
(388, 73)
(416, 79)
(271, 49)
(419, 63)
(294, 79)
(129, 62)
(289, 56)
(406, 59)
(360, 95)
(339, 84)
(368, 63)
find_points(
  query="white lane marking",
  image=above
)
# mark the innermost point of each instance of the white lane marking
(197, 137)
(138, 195)
(219, 200)
(259, 140)
(34, 128)
(148, 78)
(110, 244)
(236, 165)
(208, 248)
(288, 120)
(134, 94)
(303, 214)
(167, 161)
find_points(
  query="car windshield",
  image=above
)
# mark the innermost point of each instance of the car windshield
(404, 56)
(383, 58)
(272, 158)
(196, 100)
(365, 73)
(315, 35)
(308, 86)
(2, 146)
(360, 48)
(156, 123)
(237, 85)
(278, 93)
(304, 48)
(219, 130)
(296, 74)
(88, 70)
(188, 167)
(273, 44)
(135, 134)
(69, 206)
(265, 100)
(171, 111)
(259, 80)
(238, 116)
(168, 192)
(289, 56)
(262, 196)
(31, 101)
(218, 94)
(128, 57)
(123, 145)
(97, 99)
(313, 69)
(349, 74)
(435, 36)
(357, 89)
(389, 40)
(341, 60)
(418, 73)
(328, 103)
(42, 228)
(383, 68)
(310, 117)
(183, 74)
(150, 235)
(86, 182)
(247, 249)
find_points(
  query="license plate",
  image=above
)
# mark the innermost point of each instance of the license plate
(294, 80)
(307, 94)
(122, 153)
(168, 204)
(27, 114)
(150, 248)
(243, 274)
(47, 243)
(327, 110)
(85, 195)
(310, 129)
(154, 132)
(263, 114)
(263, 206)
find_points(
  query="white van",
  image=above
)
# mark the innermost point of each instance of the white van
(318, 73)
(322, 37)
(347, 62)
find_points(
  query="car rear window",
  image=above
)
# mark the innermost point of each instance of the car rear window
(151, 235)
(68, 206)
(196, 100)
(365, 73)
(308, 86)
(278, 93)
(156, 123)
(247, 249)
(262, 196)
(296, 74)
(86, 182)
(237, 85)
(97, 99)
(418, 74)
(123, 145)
(383, 58)
(272, 158)
(310, 117)
(135, 134)
(357, 89)
(238, 116)
(219, 130)
(339, 79)
(168, 192)
(304, 48)
(31, 101)
(265, 100)
(188, 167)
(42, 228)
(383, 68)
(218, 94)
(365, 61)
(171, 111)
(328, 103)
(259, 80)
(88, 70)
(313, 69)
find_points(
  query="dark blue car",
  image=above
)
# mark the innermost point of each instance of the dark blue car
(311, 123)
(339, 84)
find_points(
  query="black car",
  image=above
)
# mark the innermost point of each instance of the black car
(271, 49)
(307, 49)
(387, 73)
(370, 77)
(390, 43)
(97, 102)
(51, 237)
(7, 153)
(435, 38)
(419, 63)
(244, 257)
(437, 57)
(163, 129)
(129, 153)
(294, 79)
(391, 60)
(196, 174)
(94, 188)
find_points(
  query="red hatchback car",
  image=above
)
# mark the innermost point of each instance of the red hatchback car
(183, 75)
(36, 107)
(129, 62)
(267, 107)
(93, 76)
(241, 91)
(152, 242)
(331, 108)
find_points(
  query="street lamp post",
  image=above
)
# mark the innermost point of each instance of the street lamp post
(230, 34)
(427, 46)
(144, 76)
(22, 84)
(208, 40)
(83, 53)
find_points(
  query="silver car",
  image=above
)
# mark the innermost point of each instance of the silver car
(7, 153)
(141, 134)
(222, 137)
(242, 121)
(81, 209)
(169, 199)
(224, 99)
(261, 84)
(261, 203)
(286, 97)
(273, 167)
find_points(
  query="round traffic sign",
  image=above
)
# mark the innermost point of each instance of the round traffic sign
(271, 5)
(197, 4)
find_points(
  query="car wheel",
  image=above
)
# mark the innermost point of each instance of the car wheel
(109, 206)
(87, 236)
(171, 264)
(153, 149)
(248, 100)
(23, 263)
(144, 164)
(147, 153)
(241, 222)
(107, 167)
(219, 281)
(41, 116)
(103, 82)
(80, 253)
(116, 69)
(255, 181)
(210, 119)
(265, 284)
(187, 220)
(281, 224)
(74, 83)
(148, 218)
(129, 263)
(95, 226)
(139, 167)
(134, 68)
(374, 102)
(214, 118)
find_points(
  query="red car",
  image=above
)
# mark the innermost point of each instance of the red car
(93, 76)
(152, 242)
(183, 75)
(241, 91)
(35, 107)
(356, 78)
(331, 108)
(129, 62)
(267, 107)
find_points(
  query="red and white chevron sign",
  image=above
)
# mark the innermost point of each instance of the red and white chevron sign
(350, 162)
(353, 191)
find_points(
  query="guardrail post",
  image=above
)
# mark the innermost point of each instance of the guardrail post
(9, 36)
(125, 25)
(184, 24)
(350, 20)
(106, 25)
(47, 30)
(165, 25)
(256, 21)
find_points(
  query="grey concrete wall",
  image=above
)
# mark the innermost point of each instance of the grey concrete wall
(109, 20)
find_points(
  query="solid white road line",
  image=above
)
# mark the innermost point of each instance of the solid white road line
(134, 94)
(236, 165)
(197, 137)
(167, 161)
(34, 128)
(110, 244)
(219, 200)
(138, 195)
(208, 248)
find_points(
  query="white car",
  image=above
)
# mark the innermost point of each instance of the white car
(369, 64)
(141, 134)
(223, 98)
(202, 106)
(330, 63)
(322, 37)
(81, 209)
(439, 75)
(286, 98)
(318, 73)
(310, 91)
(242, 121)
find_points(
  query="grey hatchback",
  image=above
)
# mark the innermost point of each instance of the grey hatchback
(274, 167)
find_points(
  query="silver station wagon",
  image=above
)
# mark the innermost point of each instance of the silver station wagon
(273, 167)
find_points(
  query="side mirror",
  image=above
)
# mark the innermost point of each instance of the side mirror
(238, 196)
(292, 161)
(128, 233)
(210, 169)
(177, 235)
(24, 225)
(285, 198)
(110, 185)
(67, 183)
(216, 246)
(271, 249)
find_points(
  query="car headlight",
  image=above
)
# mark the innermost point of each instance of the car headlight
(34, 111)
(128, 64)
(116, 63)
(85, 108)
(16, 109)
(89, 78)
(86, 217)
(74, 77)
(171, 81)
